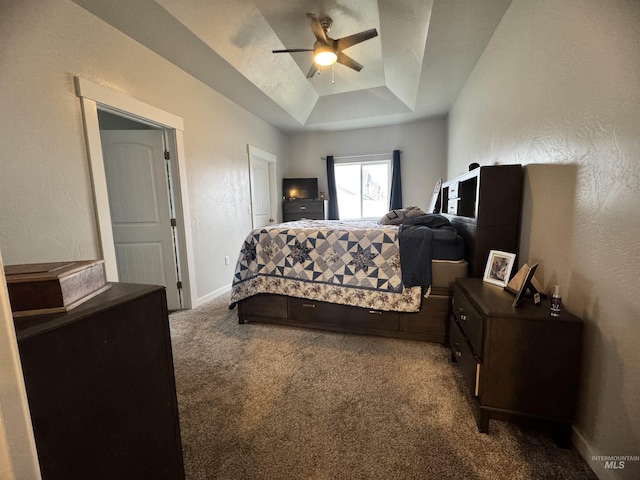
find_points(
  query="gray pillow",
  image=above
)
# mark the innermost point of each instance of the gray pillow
(397, 216)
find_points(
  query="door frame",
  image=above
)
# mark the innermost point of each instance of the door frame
(272, 160)
(18, 454)
(94, 97)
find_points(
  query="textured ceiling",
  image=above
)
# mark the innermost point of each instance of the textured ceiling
(414, 69)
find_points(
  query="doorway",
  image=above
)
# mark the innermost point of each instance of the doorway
(96, 98)
(139, 186)
(262, 181)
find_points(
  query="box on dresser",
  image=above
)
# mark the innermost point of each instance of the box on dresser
(53, 287)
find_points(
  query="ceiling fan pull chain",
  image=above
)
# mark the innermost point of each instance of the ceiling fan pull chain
(333, 75)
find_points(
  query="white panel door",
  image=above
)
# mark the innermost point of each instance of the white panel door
(260, 199)
(137, 185)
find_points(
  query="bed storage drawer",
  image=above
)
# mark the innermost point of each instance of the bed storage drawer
(263, 305)
(314, 312)
(431, 320)
(431, 324)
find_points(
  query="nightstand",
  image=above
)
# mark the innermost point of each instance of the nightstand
(519, 363)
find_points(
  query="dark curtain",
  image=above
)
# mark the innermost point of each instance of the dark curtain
(395, 199)
(333, 193)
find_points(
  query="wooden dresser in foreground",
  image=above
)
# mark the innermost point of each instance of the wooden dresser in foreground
(519, 363)
(101, 388)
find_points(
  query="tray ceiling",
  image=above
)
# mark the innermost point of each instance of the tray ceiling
(414, 69)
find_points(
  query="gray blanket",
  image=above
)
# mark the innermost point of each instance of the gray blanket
(430, 236)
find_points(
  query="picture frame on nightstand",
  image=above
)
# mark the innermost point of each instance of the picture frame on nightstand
(528, 286)
(499, 266)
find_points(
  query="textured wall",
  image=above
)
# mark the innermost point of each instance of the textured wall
(46, 205)
(423, 146)
(558, 89)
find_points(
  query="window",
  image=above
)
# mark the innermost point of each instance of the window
(363, 189)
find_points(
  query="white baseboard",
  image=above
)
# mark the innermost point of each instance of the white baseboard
(210, 296)
(586, 452)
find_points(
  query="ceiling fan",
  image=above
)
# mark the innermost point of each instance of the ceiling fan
(326, 50)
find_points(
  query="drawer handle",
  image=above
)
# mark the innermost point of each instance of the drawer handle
(457, 352)
(303, 208)
(375, 312)
(308, 305)
(463, 317)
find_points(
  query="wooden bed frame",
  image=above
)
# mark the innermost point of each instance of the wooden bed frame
(483, 205)
(430, 324)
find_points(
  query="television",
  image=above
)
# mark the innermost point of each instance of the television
(299, 188)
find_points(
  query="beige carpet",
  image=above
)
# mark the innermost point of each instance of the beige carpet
(260, 401)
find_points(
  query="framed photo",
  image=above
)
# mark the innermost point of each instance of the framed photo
(498, 269)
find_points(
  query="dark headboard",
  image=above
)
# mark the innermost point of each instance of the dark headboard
(484, 206)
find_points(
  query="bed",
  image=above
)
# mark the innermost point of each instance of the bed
(357, 277)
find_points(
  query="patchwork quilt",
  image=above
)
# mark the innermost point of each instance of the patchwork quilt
(352, 263)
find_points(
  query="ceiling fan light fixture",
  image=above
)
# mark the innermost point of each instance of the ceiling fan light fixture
(325, 56)
(327, 50)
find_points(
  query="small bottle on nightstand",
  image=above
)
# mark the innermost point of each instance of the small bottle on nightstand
(556, 302)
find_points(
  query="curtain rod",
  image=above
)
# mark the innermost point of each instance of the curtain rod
(361, 155)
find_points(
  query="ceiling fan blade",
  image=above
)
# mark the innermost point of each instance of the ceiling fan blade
(318, 31)
(348, 62)
(349, 41)
(290, 50)
(313, 70)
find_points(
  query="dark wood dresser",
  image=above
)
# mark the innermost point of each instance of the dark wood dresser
(101, 388)
(304, 210)
(519, 363)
